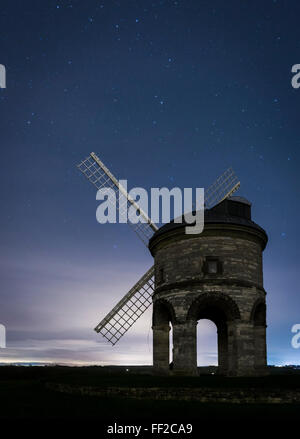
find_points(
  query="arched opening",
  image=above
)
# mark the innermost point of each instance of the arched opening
(216, 314)
(162, 325)
(207, 343)
(171, 349)
(221, 310)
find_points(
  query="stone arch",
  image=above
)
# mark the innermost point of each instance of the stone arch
(214, 302)
(223, 311)
(258, 313)
(163, 312)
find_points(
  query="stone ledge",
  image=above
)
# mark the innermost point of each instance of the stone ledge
(217, 282)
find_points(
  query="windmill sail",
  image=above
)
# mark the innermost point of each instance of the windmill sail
(129, 309)
(138, 299)
(100, 176)
(222, 188)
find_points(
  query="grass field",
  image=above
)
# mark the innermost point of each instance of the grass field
(24, 395)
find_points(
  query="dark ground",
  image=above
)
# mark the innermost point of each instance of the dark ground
(24, 396)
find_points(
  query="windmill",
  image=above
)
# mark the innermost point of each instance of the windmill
(138, 299)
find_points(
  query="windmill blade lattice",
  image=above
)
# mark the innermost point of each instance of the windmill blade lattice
(129, 309)
(100, 176)
(222, 188)
(138, 299)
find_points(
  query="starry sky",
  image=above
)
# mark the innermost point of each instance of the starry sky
(167, 93)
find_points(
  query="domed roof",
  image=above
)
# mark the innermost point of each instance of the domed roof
(233, 210)
(239, 199)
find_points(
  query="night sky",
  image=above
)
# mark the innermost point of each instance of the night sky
(167, 93)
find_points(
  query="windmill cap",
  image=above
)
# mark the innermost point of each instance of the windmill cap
(231, 211)
(240, 200)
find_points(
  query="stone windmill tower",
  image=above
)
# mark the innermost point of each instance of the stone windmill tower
(216, 275)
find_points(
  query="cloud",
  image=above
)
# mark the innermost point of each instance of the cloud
(50, 307)
(77, 351)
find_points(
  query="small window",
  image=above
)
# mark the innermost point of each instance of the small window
(212, 266)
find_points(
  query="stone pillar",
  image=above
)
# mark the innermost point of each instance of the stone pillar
(161, 350)
(185, 348)
(232, 349)
(242, 349)
(260, 359)
(222, 349)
